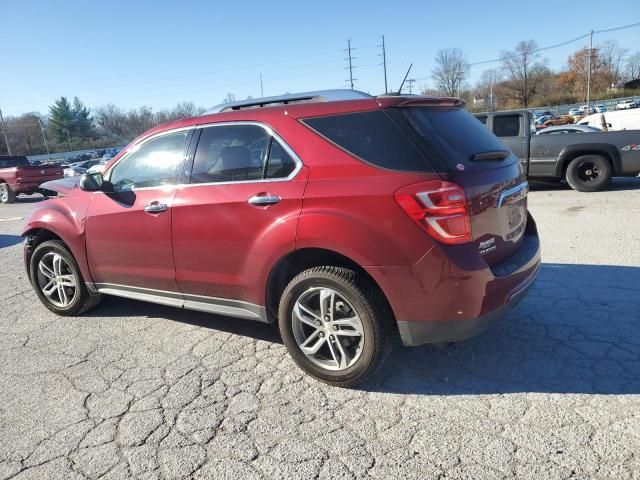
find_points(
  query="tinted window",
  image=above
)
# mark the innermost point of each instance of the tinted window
(156, 162)
(10, 162)
(373, 137)
(232, 153)
(452, 136)
(506, 125)
(482, 118)
(280, 164)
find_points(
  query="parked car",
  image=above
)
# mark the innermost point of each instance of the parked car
(98, 167)
(326, 219)
(561, 120)
(575, 112)
(568, 129)
(627, 104)
(600, 108)
(79, 168)
(584, 110)
(586, 161)
(617, 120)
(17, 176)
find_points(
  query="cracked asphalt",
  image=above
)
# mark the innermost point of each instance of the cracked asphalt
(145, 391)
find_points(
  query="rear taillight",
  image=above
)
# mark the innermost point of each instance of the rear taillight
(440, 208)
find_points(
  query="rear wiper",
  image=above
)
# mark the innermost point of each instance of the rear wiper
(491, 155)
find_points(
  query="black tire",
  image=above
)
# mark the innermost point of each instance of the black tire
(369, 305)
(48, 193)
(82, 300)
(588, 173)
(6, 194)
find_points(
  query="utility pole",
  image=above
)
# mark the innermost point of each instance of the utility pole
(44, 137)
(69, 138)
(491, 91)
(384, 64)
(4, 133)
(589, 71)
(261, 89)
(350, 63)
(410, 83)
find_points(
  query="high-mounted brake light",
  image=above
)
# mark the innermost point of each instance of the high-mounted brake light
(440, 208)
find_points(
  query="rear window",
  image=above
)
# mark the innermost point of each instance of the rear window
(374, 138)
(10, 162)
(452, 136)
(506, 125)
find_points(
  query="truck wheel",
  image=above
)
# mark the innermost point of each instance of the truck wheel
(57, 280)
(334, 325)
(6, 194)
(588, 173)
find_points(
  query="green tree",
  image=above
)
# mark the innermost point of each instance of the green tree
(61, 120)
(82, 122)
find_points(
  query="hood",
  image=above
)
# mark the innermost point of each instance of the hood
(64, 186)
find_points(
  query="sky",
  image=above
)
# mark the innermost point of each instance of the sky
(158, 53)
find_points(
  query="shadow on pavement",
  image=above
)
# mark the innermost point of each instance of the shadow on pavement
(577, 331)
(9, 240)
(617, 184)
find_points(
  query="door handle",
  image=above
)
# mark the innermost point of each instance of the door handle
(155, 207)
(263, 200)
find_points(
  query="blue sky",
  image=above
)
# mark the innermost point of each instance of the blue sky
(159, 53)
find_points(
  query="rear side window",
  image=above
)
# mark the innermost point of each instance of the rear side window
(372, 137)
(10, 162)
(506, 125)
(452, 136)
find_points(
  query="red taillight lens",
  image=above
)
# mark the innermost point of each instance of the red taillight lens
(440, 208)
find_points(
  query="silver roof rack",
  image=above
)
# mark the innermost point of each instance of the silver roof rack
(305, 97)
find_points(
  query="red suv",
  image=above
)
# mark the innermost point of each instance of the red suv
(342, 216)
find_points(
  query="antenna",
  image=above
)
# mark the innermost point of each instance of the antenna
(404, 79)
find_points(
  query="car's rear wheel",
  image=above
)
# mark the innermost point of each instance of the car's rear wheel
(57, 280)
(334, 325)
(6, 194)
(588, 173)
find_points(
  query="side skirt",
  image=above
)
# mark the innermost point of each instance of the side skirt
(218, 306)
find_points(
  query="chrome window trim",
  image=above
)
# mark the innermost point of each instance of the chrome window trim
(270, 131)
(107, 174)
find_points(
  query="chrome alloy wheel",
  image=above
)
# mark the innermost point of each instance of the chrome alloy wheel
(56, 280)
(327, 329)
(4, 193)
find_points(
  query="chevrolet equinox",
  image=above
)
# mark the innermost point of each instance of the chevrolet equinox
(345, 218)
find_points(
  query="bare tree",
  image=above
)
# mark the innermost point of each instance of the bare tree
(524, 70)
(611, 56)
(112, 120)
(633, 66)
(451, 70)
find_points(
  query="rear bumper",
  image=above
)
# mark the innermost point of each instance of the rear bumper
(31, 186)
(452, 294)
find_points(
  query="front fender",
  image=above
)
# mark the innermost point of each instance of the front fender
(64, 218)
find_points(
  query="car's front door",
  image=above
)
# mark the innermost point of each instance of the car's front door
(237, 214)
(128, 229)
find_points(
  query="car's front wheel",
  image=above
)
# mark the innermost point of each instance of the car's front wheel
(334, 324)
(57, 280)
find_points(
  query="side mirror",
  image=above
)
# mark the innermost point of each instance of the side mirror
(91, 182)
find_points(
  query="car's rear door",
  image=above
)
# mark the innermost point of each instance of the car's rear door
(237, 214)
(511, 129)
(128, 230)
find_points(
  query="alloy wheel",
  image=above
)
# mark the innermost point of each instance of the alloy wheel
(56, 280)
(4, 193)
(327, 328)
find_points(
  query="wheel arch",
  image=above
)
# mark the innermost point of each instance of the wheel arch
(570, 153)
(299, 260)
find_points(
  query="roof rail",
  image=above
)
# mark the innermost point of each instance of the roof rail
(305, 97)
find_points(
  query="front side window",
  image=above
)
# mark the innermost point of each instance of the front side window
(156, 162)
(506, 125)
(237, 153)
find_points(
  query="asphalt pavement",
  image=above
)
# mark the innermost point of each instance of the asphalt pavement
(131, 389)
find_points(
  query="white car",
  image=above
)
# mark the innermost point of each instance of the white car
(627, 104)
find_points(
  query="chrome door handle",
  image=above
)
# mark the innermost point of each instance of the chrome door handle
(155, 208)
(263, 200)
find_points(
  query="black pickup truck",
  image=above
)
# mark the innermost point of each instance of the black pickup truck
(586, 161)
